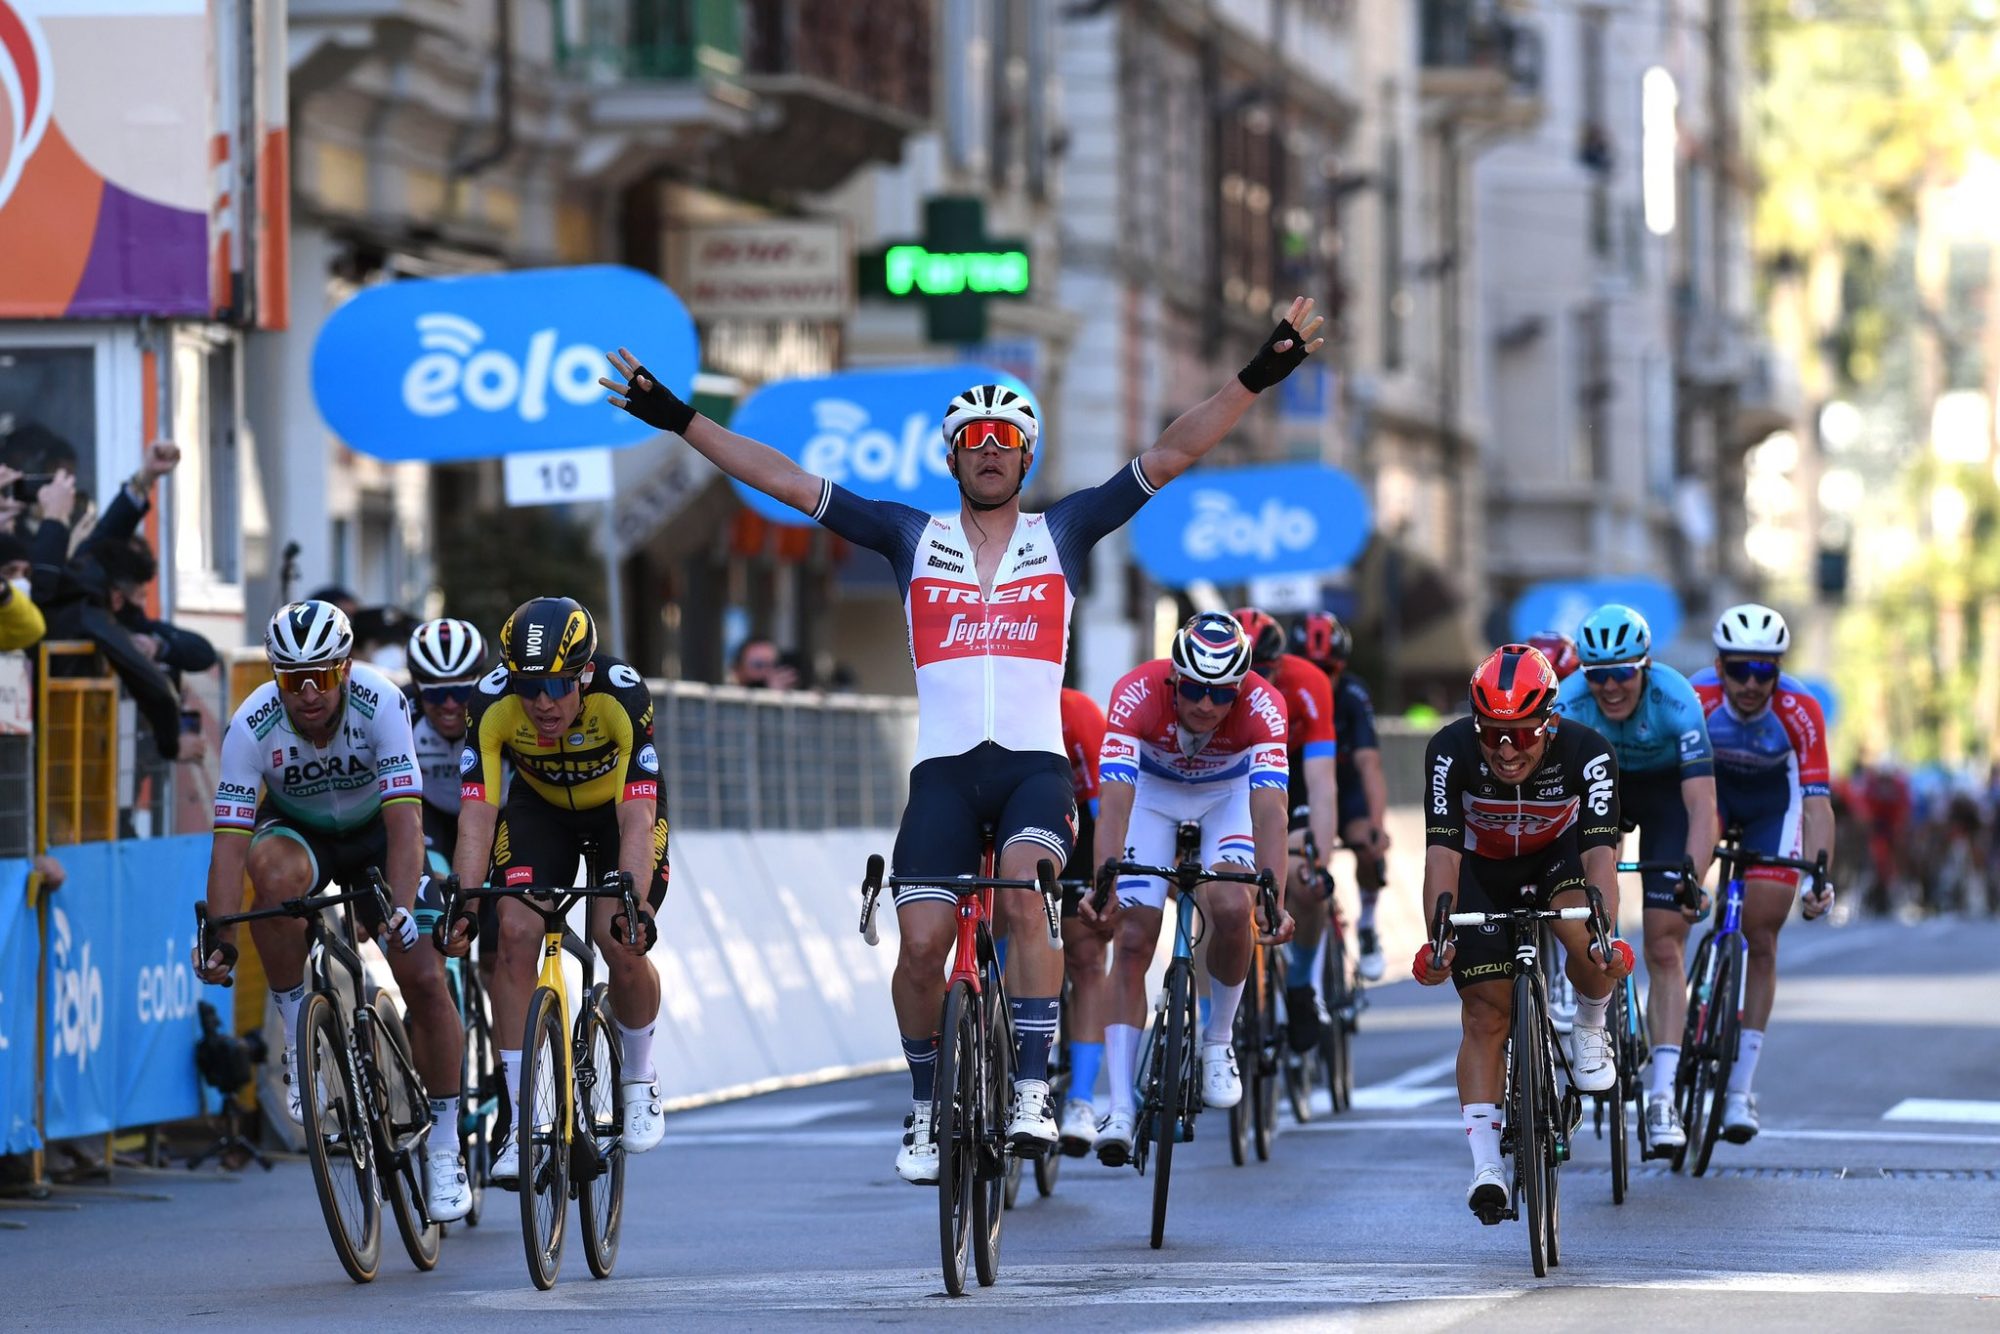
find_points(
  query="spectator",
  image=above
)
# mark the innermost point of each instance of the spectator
(380, 633)
(21, 624)
(94, 594)
(760, 667)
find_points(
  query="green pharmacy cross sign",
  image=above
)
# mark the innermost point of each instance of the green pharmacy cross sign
(955, 268)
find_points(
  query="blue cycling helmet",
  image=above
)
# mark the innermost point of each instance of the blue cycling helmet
(1611, 634)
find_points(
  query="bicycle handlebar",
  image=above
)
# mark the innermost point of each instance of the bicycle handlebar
(1186, 875)
(302, 907)
(612, 885)
(1044, 883)
(1533, 914)
(1814, 872)
(1689, 895)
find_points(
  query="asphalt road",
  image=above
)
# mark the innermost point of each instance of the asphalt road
(1871, 1200)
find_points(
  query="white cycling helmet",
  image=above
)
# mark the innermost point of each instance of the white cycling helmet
(308, 634)
(446, 651)
(1213, 649)
(991, 402)
(1752, 627)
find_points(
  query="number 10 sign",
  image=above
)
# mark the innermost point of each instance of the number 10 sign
(558, 476)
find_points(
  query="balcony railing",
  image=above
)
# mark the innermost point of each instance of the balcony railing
(1473, 37)
(615, 41)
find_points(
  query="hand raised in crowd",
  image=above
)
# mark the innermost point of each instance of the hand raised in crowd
(161, 458)
(57, 500)
(148, 645)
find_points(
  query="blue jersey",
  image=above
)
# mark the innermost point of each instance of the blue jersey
(1767, 764)
(1668, 730)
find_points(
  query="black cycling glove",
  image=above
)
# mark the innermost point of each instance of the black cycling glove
(656, 405)
(1270, 365)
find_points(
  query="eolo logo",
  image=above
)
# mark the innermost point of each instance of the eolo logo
(26, 94)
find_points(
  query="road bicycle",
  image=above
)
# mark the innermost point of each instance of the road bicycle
(1716, 976)
(569, 1124)
(364, 1111)
(1345, 997)
(1538, 1118)
(1261, 1052)
(1170, 1054)
(975, 1062)
(1626, 1019)
(483, 1114)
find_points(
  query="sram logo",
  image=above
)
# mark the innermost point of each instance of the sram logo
(1598, 774)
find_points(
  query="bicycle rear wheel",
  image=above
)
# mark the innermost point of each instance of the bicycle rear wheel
(1725, 1030)
(1245, 1038)
(1336, 1036)
(1270, 1042)
(997, 1068)
(1533, 1123)
(542, 1127)
(1620, 1166)
(405, 1109)
(1692, 1073)
(1173, 1055)
(339, 1142)
(597, 1155)
(956, 1095)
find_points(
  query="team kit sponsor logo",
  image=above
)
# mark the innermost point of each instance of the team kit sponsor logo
(1441, 785)
(1598, 774)
(1265, 705)
(1023, 619)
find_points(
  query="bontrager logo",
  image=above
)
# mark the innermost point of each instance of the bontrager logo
(1440, 785)
(1598, 772)
(78, 1019)
(1220, 528)
(450, 372)
(846, 447)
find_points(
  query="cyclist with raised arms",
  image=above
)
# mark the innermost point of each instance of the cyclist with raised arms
(1363, 802)
(1312, 800)
(319, 782)
(1083, 947)
(1666, 790)
(1773, 779)
(987, 594)
(576, 726)
(1195, 736)
(1518, 798)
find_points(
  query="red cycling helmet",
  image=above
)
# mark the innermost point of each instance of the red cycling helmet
(1514, 684)
(1559, 649)
(1267, 637)
(1321, 639)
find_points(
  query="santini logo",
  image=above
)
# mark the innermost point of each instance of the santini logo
(1219, 528)
(451, 372)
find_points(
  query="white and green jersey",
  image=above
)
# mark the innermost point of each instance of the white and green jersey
(369, 762)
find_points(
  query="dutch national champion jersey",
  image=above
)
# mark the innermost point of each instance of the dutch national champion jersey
(1667, 730)
(989, 664)
(369, 761)
(1144, 743)
(1766, 763)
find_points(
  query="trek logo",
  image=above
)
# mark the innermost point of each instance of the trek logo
(1598, 774)
(1440, 785)
(1024, 619)
(1035, 592)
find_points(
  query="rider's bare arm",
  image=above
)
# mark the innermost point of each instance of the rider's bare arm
(1368, 763)
(1202, 427)
(473, 852)
(1114, 819)
(1267, 829)
(1322, 805)
(404, 823)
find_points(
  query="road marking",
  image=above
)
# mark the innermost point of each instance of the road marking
(763, 1116)
(1959, 1111)
(1878, 1137)
(1402, 1093)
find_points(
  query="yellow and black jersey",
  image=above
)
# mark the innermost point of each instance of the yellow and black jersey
(603, 758)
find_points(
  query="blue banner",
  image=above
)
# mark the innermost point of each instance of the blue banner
(122, 995)
(436, 369)
(1226, 525)
(1561, 605)
(880, 434)
(19, 951)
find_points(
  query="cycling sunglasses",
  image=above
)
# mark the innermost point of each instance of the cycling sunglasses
(1495, 735)
(1742, 670)
(458, 694)
(1617, 674)
(1194, 692)
(529, 687)
(325, 679)
(1004, 434)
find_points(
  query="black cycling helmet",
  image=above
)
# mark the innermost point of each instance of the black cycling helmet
(547, 637)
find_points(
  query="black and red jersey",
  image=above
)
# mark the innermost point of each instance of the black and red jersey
(1468, 809)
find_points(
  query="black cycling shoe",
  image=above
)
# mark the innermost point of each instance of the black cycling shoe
(1301, 1018)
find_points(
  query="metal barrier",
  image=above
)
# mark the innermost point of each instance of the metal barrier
(757, 759)
(76, 721)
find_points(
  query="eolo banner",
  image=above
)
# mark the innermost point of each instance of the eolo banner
(1226, 525)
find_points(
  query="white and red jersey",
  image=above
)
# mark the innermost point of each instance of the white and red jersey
(989, 664)
(1144, 742)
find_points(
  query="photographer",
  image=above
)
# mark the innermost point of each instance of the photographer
(21, 623)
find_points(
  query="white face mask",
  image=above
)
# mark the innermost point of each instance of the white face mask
(20, 586)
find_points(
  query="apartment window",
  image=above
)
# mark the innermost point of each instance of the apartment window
(1393, 275)
(1591, 453)
(1248, 146)
(48, 400)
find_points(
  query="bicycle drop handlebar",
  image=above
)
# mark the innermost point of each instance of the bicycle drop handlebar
(1813, 873)
(374, 887)
(1044, 883)
(1689, 894)
(1188, 874)
(635, 920)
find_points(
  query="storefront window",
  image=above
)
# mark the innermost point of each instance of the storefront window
(48, 411)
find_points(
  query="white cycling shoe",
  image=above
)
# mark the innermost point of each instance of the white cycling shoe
(1562, 1006)
(1487, 1195)
(1739, 1117)
(1079, 1127)
(1371, 963)
(917, 1160)
(645, 1119)
(1663, 1123)
(1114, 1139)
(1032, 1128)
(1221, 1085)
(506, 1170)
(449, 1197)
(289, 1072)
(1591, 1064)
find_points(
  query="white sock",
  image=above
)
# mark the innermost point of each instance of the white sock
(1590, 1013)
(1366, 922)
(1745, 1068)
(288, 1011)
(1121, 1056)
(1482, 1133)
(1222, 1002)
(510, 1066)
(635, 1052)
(1665, 1061)
(444, 1117)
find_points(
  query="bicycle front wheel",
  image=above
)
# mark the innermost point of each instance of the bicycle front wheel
(404, 1111)
(996, 1160)
(542, 1128)
(339, 1141)
(1691, 1074)
(1533, 1123)
(952, 1124)
(1244, 1036)
(1173, 1056)
(1270, 1044)
(1336, 1036)
(597, 1158)
(479, 1089)
(1725, 1028)
(1620, 1021)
